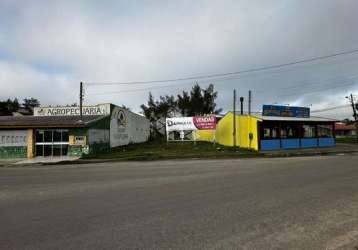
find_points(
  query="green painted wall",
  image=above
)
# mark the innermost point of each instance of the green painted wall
(98, 148)
(78, 131)
(13, 152)
(74, 150)
(103, 123)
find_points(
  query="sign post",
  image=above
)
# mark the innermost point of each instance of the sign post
(182, 124)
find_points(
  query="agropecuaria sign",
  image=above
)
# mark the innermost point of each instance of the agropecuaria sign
(191, 123)
(101, 109)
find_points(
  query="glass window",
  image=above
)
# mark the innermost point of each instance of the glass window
(309, 131)
(48, 135)
(57, 135)
(39, 150)
(274, 132)
(267, 133)
(65, 135)
(64, 149)
(56, 150)
(324, 130)
(39, 136)
(52, 142)
(289, 132)
(47, 150)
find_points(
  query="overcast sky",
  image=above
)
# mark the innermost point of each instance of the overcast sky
(48, 47)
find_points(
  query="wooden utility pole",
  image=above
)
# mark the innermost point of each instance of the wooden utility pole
(234, 118)
(355, 115)
(249, 102)
(81, 99)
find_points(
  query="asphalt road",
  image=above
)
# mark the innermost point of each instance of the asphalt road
(282, 203)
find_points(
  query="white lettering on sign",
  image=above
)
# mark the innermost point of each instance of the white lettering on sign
(102, 109)
(180, 123)
(191, 123)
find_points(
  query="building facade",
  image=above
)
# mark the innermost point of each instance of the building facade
(345, 130)
(276, 128)
(60, 131)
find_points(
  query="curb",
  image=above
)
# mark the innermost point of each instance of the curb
(256, 156)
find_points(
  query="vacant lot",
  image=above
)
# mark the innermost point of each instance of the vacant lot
(174, 150)
(281, 203)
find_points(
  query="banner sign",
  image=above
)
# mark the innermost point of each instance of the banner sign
(190, 123)
(285, 111)
(205, 122)
(102, 109)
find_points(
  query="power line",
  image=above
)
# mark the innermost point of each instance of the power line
(332, 85)
(330, 108)
(138, 90)
(317, 90)
(299, 85)
(229, 73)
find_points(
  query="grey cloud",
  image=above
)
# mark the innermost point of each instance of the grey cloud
(144, 40)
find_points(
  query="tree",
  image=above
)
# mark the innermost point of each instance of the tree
(184, 104)
(9, 106)
(30, 103)
(157, 110)
(12, 106)
(200, 102)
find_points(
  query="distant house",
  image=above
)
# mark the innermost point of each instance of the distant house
(344, 130)
(23, 111)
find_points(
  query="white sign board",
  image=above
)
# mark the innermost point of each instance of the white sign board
(191, 123)
(180, 124)
(101, 109)
(13, 138)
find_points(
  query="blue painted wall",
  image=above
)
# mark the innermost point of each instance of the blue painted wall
(326, 142)
(274, 144)
(290, 143)
(309, 142)
(270, 144)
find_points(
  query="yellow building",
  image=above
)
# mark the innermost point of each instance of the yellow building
(259, 132)
(246, 131)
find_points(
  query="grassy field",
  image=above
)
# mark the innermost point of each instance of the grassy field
(347, 140)
(173, 150)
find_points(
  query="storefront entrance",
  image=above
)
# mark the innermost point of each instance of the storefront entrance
(51, 142)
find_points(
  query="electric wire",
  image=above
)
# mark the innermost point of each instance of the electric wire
(228, 73)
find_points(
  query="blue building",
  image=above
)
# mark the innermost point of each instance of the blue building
(285, 127)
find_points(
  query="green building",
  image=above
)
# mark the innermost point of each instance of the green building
(60, 131)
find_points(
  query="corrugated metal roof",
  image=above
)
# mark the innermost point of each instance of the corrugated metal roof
(343, 126)
(46, 121)
(279, 118)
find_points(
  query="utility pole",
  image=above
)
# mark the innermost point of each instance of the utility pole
(355, 115)
(81, 99)
(234, 118)
(249, 102)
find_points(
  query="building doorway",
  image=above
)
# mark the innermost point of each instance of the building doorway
(51, 142)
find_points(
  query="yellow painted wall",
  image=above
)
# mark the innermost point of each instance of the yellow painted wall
(245, 125)
(30, 143)
(204, 135)
(224, 130)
